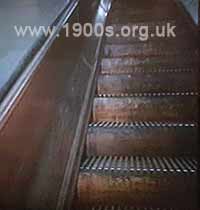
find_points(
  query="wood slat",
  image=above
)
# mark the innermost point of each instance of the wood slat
(147, 82)
(150, 108)
(128, 139)
(132, 181)
(149, 62)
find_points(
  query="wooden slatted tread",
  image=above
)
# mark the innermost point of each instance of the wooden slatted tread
(140, 82)
(162, 107)
(141, 138)
(151, 49)
(142, 142)
(143, 61)
(139, 181)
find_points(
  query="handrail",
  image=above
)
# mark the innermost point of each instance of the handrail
(30, 68)
(92, 63)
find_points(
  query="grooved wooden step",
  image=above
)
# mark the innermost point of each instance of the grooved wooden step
(181, 28)
(121, 63)
(142, 138)
(156, 14)
(149, 49)
(153, 24)
(139, 181)
(143, 11)
(147, 82)
(117, 38)
(142, 6)
(162, 107)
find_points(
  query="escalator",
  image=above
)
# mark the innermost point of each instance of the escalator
(99, 122)
(142, 140)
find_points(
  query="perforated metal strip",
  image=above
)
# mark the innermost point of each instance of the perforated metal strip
(153, 70)
(105, 124)
(143, 51)
(125, 208)
(124, 164)
(148, 94)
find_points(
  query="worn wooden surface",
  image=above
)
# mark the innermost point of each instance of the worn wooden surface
(138, 181)
(152, 49)
(140, 191)
(141, 140)
(154, 108)
(150, 62)
(147, 82)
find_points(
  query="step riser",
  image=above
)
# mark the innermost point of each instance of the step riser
(152, 25)
(155, 15)
(149, 82)
(148, 62)
(186, 39)
(115, 19)
(142, 7)
(129, 109)
(146, 49)
(140, 191)
(151, 15)
(142, 141)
